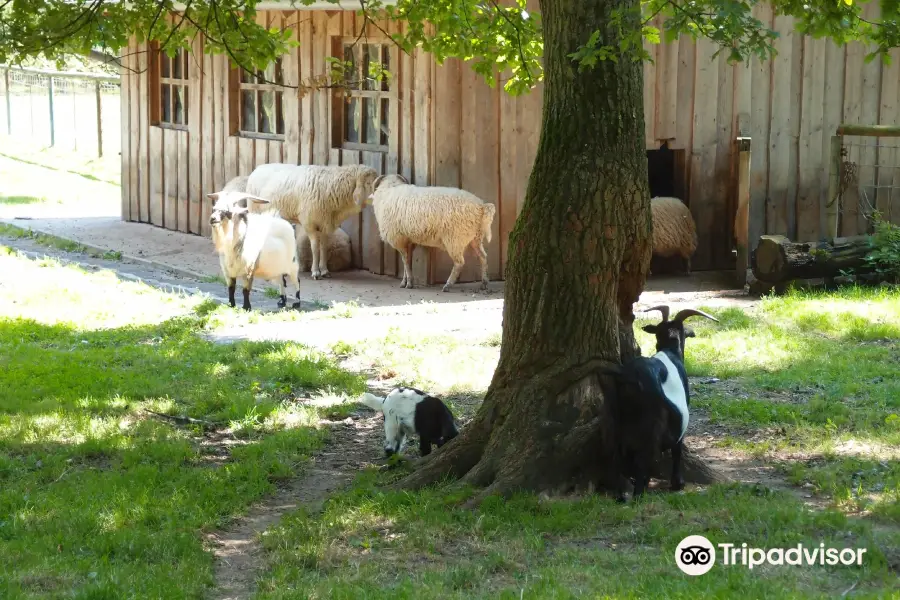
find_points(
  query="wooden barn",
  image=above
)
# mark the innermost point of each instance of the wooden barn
(193, 122)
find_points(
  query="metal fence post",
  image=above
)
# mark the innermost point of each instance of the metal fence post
(8, 103)
(50, 95)
(99, 120)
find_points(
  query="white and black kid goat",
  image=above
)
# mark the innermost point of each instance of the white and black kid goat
(652, 406)
(409, 411)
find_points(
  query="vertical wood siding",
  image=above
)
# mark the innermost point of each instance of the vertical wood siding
(451, 129)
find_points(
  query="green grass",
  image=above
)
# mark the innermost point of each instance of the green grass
(372, 544)
(85, 165)
(100, 499)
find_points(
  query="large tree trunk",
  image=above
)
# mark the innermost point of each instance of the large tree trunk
(578, 258)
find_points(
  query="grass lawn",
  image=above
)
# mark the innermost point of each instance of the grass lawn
(809, 382)
(100, 499)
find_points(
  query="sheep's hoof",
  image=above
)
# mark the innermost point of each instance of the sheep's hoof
(246, 307)
(296, 305)
(621, 498)
(484, 286)
(282, 303)
(677, 486)
(316, 275)
(325, 274)
(446, 288)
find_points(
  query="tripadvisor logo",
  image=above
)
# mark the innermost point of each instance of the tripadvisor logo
(696, 555)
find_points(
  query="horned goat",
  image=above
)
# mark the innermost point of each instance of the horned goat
(439, 217)
(674, 232)
(252, 245)
(652, 402)
(409, 411)
(317, 198)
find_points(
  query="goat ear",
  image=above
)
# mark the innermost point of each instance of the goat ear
(649, 328)
(689, 333)
(214, 196)
(257, 199)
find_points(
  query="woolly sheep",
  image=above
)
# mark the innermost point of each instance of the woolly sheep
(674, 232)
(317, 198)
(337, 247)
(409, 411)
(439, 217)
(252, 245)
(652, 403)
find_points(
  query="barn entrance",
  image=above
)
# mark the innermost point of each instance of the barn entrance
(666, 174)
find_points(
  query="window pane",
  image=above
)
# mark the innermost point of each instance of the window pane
(370, 118)
(248, 110)
(386, 57)
(351, 129)
(279, 113)
(266, 112)
(372, 58)
(385, 121)
(185, 91)
(178, 107)
(163, 64)
(186, 57)
(269, 73)
(279, 71)
(177, 63)
(246, 77)
(351, 74)
(165, 104)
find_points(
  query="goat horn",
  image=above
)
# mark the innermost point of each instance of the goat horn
(377, 181)
(405, 180)
(692, 312)
(661, 308)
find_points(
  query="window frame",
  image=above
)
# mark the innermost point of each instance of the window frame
(157, 81)
(342, 98)
(237, 87)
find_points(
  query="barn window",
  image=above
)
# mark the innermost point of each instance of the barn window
(259, 101)
(362, 116)
(169, 85)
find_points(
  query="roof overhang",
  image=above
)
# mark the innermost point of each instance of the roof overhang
(317, 5)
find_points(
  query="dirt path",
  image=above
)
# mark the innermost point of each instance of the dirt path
(240, 559)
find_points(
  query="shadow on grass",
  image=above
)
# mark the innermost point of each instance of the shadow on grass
(558, 548)
(20, 200)
(100, 499)
(59, 169)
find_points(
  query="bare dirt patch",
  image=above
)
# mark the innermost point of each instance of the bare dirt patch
(239, 557)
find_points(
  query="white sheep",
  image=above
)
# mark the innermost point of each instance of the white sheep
(439, 217)
(317, 198)
(252, 245)
(337, 248)
(674, 232)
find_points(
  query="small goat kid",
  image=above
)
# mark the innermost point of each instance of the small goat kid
(653, 399)
(410, 411)
(252, 245)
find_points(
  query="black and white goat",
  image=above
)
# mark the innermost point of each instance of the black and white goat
(409, 411)
(653, 399)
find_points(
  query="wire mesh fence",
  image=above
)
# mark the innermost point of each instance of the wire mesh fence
(868, 180)
(69, 111)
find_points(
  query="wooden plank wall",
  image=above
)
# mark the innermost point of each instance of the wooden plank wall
(452, 129)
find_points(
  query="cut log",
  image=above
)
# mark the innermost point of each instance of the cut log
(777, 259)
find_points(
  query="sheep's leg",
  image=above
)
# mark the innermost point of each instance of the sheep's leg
(283, 301)
(314, 250)
(407, 252)
(232, 283)
(642, 465)
(248, 283)
(323, 256)
(478, 246)
(459, 260)
(687, 265)
(677, 477)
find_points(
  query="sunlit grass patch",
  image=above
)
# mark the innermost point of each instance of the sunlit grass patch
(99, 497)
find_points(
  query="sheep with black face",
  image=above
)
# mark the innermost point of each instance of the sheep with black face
(409, 411)
(652, 402)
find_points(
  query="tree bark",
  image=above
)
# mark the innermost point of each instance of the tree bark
(578, 259)
(777, 259)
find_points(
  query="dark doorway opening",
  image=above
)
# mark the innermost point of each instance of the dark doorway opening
(666, 174)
